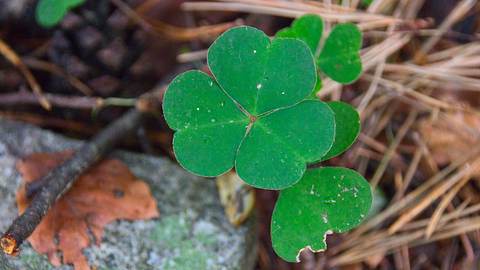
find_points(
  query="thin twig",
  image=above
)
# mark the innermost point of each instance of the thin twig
(447, 199)
(457, 14)
(56, 70)
(13, 58)
(289, 9)
(170, 31)
(432, 196)
(23, 97)
(391, 149)
(380, 68)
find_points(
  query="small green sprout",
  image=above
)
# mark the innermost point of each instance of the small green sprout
(255, 113)
(50, 12)
(367, 2)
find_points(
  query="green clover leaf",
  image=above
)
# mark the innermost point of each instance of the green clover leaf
(253, 114)
(347, 128)
(261, 75)
(339, 58)
(72, 3)
(50, 12)
(308, 28)
(326, 200)
(275, 152)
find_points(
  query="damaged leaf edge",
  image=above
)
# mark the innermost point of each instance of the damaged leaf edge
(309, 247)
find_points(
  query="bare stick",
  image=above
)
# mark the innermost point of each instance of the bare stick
(66, 101)
(27, 98)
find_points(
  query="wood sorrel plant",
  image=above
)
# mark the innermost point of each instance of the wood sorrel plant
(50, 12)
(256, 113)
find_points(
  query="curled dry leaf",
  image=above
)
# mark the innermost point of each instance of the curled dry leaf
(105, 193)
(451, 135)
(237, 198)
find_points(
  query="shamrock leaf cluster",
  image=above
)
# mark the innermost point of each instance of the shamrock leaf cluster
(51, 12)
(255, 113)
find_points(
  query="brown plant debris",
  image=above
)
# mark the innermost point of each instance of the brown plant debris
(13, 58)
(237, 198)
(106, 192)
(450, 135)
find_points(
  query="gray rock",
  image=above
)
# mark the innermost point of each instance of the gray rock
(191, 233)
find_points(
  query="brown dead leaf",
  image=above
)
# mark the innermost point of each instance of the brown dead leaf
(105, 193)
